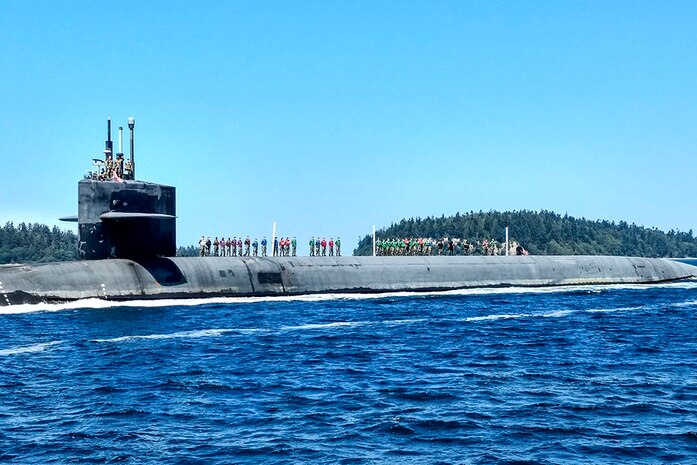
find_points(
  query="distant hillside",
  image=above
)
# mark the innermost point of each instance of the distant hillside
(545, 233)
(32, 243)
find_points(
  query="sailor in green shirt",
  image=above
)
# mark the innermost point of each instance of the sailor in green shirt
(312, 247)
(294, 246)
(338, 247)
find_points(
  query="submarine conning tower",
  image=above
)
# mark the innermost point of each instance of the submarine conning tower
(121, 217)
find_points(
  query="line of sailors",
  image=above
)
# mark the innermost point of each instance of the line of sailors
(111, 169)
(390, 247)
(236, 246)
(445, 246)
(318, 247)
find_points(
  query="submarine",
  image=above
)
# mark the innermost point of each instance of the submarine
(127, 251)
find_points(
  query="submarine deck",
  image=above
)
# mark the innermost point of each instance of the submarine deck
(198, 277)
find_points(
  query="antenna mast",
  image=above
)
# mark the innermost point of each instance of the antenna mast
(108, 145)
(131, 126)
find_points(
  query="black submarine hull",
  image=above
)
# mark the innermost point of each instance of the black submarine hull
(201, 277)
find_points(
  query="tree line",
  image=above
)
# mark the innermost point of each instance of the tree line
(189, 251)
(541, 233)
(544, 233)
(36, 243)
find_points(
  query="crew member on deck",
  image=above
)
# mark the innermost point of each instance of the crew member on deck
(128, 170)
(202, 246)
(119, 165)
(109, 173)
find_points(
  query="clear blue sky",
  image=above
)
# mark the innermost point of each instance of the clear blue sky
(329, 117)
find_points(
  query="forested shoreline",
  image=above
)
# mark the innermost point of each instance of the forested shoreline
(544, 233)
(36, 243)
(540, 233)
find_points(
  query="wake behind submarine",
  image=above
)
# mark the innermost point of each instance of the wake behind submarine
(127, 248)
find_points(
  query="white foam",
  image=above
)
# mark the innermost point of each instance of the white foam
(402, 322)
(201, 333)
(690, 303)
(213, 332)
(618, 309)
(557, 314)
(504, 316)
(323, 325)
(29, 349)
(155, 303)
(177, 335)
(46, 307)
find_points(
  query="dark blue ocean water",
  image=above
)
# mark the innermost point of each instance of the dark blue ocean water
(579, 375)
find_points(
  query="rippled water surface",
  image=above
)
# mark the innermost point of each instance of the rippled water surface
(579, 375)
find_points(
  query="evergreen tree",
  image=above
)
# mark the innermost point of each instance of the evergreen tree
(545, 233)
(36, 243)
